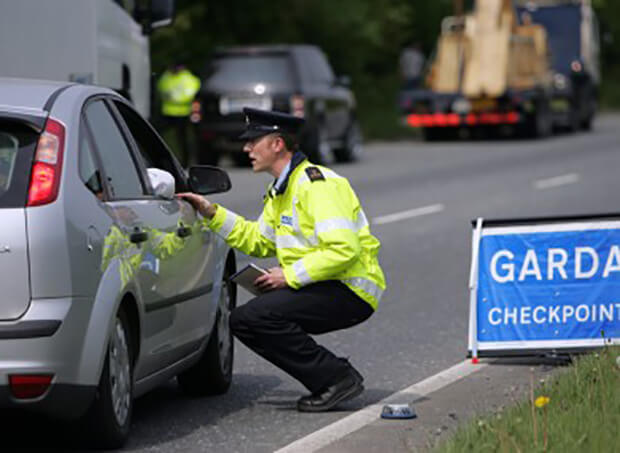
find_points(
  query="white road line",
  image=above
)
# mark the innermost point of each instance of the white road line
(548, 183)
(417, 212)
(337, 430)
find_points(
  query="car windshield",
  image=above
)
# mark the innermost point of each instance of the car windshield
(16, 147)
(241, 71)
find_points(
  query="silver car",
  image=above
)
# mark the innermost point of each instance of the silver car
(109, 285)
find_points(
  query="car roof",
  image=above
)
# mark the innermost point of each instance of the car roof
(27, 93)
(267, 48)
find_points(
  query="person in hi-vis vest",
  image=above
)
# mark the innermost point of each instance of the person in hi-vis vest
(177, 89)
(328, 276)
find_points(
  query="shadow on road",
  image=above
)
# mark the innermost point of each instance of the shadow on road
(163, 415)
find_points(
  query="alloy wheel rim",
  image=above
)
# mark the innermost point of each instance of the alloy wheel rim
(224, 334)
(120, 374)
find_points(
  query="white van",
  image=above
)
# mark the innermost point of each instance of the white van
(101, 42)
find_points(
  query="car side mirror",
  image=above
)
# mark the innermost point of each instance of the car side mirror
(206, 180)
(343, 81)
(162, 182)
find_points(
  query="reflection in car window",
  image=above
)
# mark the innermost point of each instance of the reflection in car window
(8, 151)
(88, 170)
(152, 150)
(118, 164)
(17, 145)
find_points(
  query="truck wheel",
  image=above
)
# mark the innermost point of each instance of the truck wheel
(212, 375)
(432, 134)
(352, 148)
(109, 418)
(540, 123)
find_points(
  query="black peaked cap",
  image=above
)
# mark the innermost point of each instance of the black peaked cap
(263, 122)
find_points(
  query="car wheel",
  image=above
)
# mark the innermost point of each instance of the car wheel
(212, 375)
(109, 417)
(353, 145)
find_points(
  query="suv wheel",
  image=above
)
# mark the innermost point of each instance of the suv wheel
(212, 375)
(109, 417)
(352, 148)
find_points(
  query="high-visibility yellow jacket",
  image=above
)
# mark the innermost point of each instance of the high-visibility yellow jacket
(177, 91)
(316, 228)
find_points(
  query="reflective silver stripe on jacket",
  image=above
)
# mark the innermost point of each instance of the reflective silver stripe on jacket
(294, 241)
(301, 273)
(228, 225)
(365, 285)
(266, 230)
(341, 224)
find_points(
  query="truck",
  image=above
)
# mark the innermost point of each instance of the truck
(574, 44)
(495, 67)
(100, 42)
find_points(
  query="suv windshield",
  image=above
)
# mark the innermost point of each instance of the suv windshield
(239, 71)
(17, 145)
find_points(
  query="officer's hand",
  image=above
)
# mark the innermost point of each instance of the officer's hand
(200, 203)
(273, 280)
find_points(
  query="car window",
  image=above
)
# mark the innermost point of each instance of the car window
(89, 173)
(152, 151)
(17, 144)
(120, 169)
(240, 71)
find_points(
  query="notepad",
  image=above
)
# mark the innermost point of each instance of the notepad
(245, 277)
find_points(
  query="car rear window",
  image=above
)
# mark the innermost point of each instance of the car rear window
(17, 144)
(236, 72)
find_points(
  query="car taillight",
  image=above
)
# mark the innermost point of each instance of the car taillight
(298, 106)
(47, 165)
(27, 386)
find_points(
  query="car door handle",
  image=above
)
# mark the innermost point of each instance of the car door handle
(184, 231)
(138, 236)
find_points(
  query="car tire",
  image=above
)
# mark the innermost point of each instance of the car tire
(318, 146)
(212, 375)
(108, 420)
(352, 148)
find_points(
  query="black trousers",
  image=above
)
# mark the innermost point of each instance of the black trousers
(277, 326)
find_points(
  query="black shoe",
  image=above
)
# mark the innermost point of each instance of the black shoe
(345, 389)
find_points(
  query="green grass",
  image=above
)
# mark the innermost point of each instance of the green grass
(583, 414)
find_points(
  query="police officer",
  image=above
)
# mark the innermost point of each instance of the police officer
(177, 88)
(329, 277)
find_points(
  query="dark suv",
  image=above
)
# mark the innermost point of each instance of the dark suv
(295, 79)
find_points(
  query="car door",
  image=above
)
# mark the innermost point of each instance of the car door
(186, 254)
(130, 245)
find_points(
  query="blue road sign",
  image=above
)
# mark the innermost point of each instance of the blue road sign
(549, 286)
